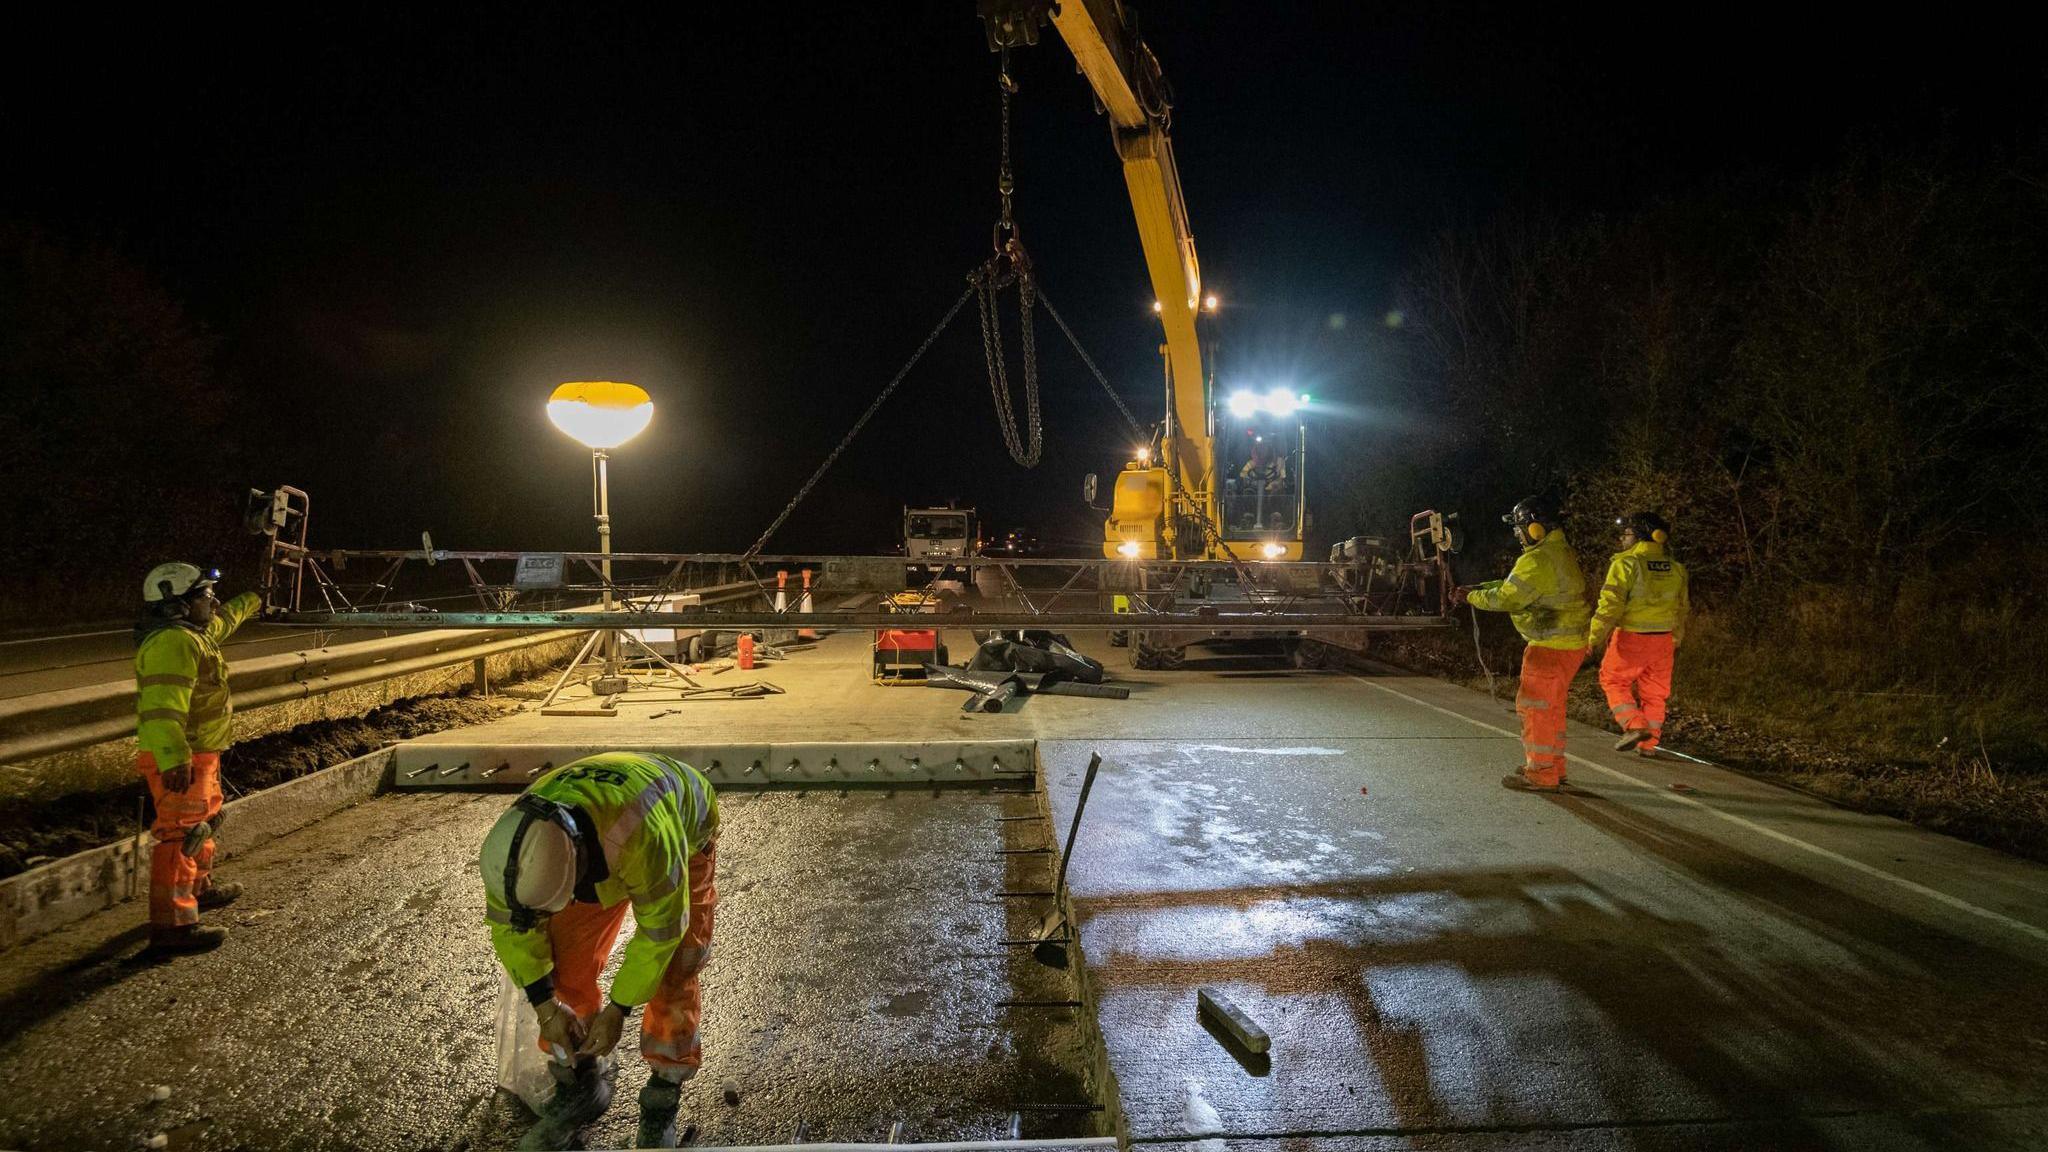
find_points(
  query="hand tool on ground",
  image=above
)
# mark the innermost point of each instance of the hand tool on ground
(1049, 949)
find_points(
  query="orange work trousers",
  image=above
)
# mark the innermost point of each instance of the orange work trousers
(1540, 702)
(1636, 675)
(582, 935)
(175, 879)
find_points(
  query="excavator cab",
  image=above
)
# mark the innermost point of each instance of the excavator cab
(1261, 456)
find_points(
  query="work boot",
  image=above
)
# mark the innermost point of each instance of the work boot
(220, 894)
(659, 1101)
(1516, 782)
(165, 943)
(581, 1096)
(1631, 738)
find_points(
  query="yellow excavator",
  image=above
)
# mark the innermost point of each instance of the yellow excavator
(1225, 479)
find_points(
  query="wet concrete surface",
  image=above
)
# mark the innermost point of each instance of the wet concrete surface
(1443, 963)
(854, 981)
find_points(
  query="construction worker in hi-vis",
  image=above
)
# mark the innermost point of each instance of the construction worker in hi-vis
(560, 868)
(182, 713)
(1545, 596)
(1643, 604)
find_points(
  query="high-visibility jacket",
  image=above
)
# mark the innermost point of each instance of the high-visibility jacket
(1646, 591)
(1544, 594)
(181, 685)
(651, 813)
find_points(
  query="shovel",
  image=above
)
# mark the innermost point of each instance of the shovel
(1052, 934)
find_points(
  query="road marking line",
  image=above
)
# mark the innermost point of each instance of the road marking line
(1939, 897)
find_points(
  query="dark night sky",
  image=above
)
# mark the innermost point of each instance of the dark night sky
(406, 227)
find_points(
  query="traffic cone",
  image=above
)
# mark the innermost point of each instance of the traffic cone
(781, 590)
(803, 604)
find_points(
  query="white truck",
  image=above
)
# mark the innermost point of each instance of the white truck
(939, 534)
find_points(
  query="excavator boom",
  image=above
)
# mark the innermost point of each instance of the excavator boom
(1128, 84)
(1127, 81)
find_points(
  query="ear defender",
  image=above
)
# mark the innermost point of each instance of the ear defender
(1535, 530)
(1660, 536)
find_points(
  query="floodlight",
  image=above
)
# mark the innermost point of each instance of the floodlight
(601, 414)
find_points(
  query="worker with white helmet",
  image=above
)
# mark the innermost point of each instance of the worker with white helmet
(560, 868)
(182, 713)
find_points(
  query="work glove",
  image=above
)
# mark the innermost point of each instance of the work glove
(560, 1030)
(1458, 596)
(604, 1032)
(177, 779)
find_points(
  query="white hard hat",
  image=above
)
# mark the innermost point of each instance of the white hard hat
(175, 580)
(544, 876)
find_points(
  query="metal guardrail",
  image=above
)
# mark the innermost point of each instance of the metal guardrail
(47, 723)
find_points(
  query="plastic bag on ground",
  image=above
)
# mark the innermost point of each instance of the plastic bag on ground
(522, 1066)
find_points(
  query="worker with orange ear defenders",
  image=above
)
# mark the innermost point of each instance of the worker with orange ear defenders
(1644, 605)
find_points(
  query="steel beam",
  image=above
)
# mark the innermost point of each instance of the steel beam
(1277, 620)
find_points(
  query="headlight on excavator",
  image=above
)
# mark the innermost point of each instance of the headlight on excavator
(1128, 548)
(1274, 551)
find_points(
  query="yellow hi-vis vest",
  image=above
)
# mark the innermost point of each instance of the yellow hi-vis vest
(652, 814)
(181, 685)
(1646, 591)
(1544, 594)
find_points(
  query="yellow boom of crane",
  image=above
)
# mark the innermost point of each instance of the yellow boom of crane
(1159, 508)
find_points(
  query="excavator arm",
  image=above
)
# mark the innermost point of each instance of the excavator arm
(1128, 84)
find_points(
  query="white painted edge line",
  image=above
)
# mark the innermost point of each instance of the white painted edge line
(1936, 895)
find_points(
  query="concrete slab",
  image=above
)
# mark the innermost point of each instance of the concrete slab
(1444, 963)
(855, 980)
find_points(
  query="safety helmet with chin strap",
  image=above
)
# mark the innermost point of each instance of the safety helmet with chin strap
(175, 581)
(532, 859)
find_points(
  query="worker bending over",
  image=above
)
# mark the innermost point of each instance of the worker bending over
(559, 869)
(1644, 604)
(182, 711)
(1545, 596)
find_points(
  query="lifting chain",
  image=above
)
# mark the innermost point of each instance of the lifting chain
(1006, 184)
(1010, 265)
(873, 407)
(1004, 268)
